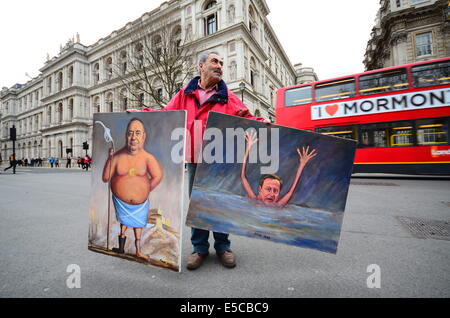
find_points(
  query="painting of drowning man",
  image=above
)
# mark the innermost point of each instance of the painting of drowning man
(271, 182)
(131, 215)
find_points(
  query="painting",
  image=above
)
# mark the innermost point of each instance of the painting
(136, 199)
(271, 182)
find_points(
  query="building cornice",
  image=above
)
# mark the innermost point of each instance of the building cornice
(65, 93)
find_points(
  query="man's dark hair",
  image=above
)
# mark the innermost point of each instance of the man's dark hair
(270, 176)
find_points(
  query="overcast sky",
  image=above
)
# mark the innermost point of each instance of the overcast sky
(328, 35)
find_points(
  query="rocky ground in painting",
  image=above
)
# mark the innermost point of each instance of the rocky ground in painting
(401, 225)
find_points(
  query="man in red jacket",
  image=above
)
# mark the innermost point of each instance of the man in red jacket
(205, 93)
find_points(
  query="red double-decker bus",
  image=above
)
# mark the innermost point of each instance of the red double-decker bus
(400, 115)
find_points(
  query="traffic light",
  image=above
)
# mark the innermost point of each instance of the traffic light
(12, 133)
(85, 145)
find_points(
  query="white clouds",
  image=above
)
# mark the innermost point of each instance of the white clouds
(328, 35)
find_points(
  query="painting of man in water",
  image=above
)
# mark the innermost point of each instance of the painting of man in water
(271, 182)
(131, 214)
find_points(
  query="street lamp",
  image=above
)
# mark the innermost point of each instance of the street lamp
(242, 88)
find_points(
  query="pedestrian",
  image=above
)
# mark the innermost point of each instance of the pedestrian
(205, 93)
(51, 161)
(12, 163)
(57, 163)
(68, 164)
(80, 162)
(86, 162)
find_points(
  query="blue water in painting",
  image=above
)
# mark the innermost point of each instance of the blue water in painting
(295, 225)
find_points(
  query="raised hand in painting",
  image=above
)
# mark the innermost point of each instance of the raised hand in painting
(305, 155)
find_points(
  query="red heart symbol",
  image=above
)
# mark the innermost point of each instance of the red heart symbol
(332, 109)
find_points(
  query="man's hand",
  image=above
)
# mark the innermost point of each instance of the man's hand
(305, 155)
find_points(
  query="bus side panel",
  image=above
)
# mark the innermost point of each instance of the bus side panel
(411, 160)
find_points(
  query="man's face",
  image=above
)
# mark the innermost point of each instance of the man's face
(212, 69)
(269, 191)
(135, 136)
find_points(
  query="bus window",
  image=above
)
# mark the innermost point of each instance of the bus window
(401, 134)
(347, 132)
(384, 82)
(432, 131)
(298, 96)
(335, 90)
(431, 74)
(374, 135)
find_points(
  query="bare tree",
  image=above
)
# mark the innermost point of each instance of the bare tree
(156, 63)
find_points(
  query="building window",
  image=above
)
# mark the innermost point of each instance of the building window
(71, 76)
(398, 3)
(60, 113)
(211, 24)
(60, 81)
(49, 85)
(210, 5)
(424, 45)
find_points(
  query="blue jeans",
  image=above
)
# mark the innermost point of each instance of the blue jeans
(199, 237)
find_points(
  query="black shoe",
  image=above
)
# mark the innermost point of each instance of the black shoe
(120, 250)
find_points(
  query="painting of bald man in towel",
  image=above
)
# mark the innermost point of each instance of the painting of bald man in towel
(133, 173)
(271, 182)
(135, 168)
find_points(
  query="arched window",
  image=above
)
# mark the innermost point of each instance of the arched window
(49, 85)
(60, 81)
(49, 115)
(210, 5)
(71, 76)
(210, 21)
(60, 148)
(60, 113)
(70, 109)
(253, 73)
(49, 150)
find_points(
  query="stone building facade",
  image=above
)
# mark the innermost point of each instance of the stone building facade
(54, 111)
(408, 31)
